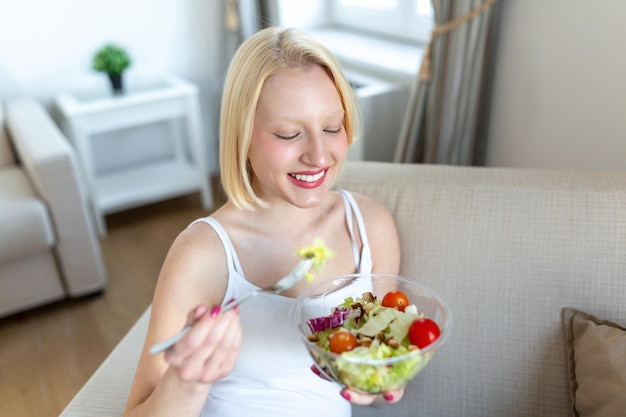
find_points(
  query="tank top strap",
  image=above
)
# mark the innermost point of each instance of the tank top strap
(352, 210)
(231, 256)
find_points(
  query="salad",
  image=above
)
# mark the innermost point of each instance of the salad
(373, 345)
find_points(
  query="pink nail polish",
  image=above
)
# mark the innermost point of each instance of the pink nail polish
(215, 311)
(315, 370)
(346, 395)
(388, 397)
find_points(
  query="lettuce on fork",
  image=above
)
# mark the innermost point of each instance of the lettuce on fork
(319, 252)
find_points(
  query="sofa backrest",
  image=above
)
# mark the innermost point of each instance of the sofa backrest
(507, 249)
(7, 157)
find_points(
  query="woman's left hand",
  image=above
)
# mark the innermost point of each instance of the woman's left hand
(358, 398)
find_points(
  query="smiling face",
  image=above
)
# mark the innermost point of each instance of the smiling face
(298, 141)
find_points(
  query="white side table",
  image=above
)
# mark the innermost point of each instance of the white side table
(88, 112)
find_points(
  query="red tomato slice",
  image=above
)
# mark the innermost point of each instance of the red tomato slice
(423, 332)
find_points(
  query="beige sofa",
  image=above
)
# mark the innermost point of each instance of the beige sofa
(48, 248)
(509, 249)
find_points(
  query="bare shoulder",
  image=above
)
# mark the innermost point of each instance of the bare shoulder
(375, 214)
(194, 271)
(197, 239)
(197, 246)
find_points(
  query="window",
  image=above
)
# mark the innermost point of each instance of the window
(406, 19)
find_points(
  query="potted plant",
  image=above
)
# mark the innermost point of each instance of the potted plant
(113, 60)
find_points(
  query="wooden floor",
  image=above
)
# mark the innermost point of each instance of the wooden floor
(47, 354)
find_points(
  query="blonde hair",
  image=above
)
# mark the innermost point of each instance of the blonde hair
(268, 52)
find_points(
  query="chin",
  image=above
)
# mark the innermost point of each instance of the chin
(312, 199)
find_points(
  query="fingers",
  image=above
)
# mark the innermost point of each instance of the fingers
(358, 398)
(195, 314)
(218, 350)
(393, 396)
(209, 350)
(319, 373)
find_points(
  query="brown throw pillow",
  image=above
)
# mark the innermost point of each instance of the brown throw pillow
(596, 360)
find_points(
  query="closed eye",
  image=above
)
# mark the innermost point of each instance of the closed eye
(286, 137)
(332, 131)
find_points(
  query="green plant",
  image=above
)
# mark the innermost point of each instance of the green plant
(112, 59)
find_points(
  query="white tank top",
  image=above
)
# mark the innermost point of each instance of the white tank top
(272, 376)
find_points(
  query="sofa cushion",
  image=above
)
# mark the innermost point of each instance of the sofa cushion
(6, 151)
(24, 221)
(28, 282)
(596, 363)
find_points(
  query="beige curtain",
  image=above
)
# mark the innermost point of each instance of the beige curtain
(447, 112)
(242, 18)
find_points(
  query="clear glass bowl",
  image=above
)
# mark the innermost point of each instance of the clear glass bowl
(370, 376)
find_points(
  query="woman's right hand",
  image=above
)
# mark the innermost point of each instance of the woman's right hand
(208, 351)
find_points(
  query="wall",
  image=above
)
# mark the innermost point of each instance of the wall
(47, 46)
(559, 88)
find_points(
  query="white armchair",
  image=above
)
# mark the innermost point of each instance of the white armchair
(48, 246)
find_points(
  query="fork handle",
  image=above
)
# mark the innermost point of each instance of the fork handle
(169, 342)
(236, 302)
(172, 340)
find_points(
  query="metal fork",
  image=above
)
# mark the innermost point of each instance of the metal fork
(281, 286)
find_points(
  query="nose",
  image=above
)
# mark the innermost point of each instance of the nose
(316, 153)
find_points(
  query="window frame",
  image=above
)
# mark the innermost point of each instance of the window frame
(403, 22)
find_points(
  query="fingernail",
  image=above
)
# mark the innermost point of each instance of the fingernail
(388, 397)
(215, 311)
(315, 370)
(346, 395)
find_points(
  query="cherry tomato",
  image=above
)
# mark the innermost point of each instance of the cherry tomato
(423, 332)
(395, 299)
(342, 342)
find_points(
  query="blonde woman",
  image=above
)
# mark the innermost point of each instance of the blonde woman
(288, 117)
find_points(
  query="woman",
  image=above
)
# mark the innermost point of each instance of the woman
(288, 117)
